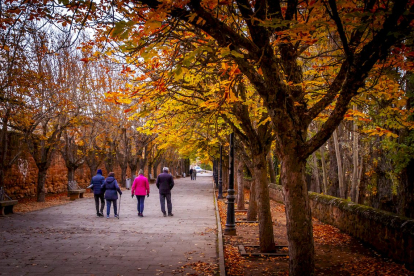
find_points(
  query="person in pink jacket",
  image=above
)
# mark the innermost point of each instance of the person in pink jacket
(140, 188)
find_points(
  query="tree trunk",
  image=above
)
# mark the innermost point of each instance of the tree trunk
(325, 179)
(355, 164)
(266, 238)
(252, 210)
(333, 170)
(240, 189)
(41, 179)
(339, 163)
(271, 168)
(298, 215)
(71, 173)
(406, 202)
(315, 172)
(123, 176)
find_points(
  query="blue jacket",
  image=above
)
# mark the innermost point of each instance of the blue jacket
(165, 183)
(110, 188)
(96, 183)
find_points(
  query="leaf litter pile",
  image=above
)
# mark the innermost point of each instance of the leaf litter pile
(336, 253)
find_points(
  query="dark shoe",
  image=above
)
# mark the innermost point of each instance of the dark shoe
(170, 214)
(164, 214)
(100, 215)
(141, 215)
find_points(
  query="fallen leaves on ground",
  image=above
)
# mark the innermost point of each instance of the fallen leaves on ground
(328, 235)
(203, 267)
(234, 261)
(373, 266)
(30, 204)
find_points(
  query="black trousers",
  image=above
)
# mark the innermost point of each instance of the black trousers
(97, 199)
(167, 197)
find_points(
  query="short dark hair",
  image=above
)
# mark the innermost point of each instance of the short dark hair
(111, 174)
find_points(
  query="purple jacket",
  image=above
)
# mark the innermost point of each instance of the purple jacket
(165, 183)
(110, 188)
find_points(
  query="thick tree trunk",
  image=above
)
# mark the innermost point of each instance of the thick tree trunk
(339, 164)
(240, 188)
(71, 173)
(298, 214)
(252, 210)
(41, 179)
(266, 238)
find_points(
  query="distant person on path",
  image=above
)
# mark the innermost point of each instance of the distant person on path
(194, 174)
(110, 188)
(191, 173)
(165, 183)
(98, 194)
(140, 188)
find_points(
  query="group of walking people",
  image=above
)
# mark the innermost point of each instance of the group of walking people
(108, 189)
(193, 173)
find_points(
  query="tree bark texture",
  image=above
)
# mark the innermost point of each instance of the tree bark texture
(324, 177)
(41, 179)
(333, 181)
(252, 210)
(342, 192)
(240, 187)
(271, 169)
(298, 214)
(267, 242)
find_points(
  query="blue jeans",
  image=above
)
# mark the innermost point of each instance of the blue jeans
(140, 205)
(167, 197)
(108, 207)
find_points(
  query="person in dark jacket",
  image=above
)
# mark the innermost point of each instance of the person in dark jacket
(191, 173)
(165, 183)
(96, 184)
(110, 188)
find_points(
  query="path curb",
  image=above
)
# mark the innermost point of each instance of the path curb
(220, 245)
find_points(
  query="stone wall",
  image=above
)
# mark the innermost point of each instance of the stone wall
(388, 233)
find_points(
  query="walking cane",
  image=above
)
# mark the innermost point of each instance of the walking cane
(119, 208)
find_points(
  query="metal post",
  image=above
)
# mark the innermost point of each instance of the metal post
(215, 173)
(220, 182)
(230, 228)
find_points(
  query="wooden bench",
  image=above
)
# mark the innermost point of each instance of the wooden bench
(6, 207)
(177, 175)
(75, 194)
(151, 179)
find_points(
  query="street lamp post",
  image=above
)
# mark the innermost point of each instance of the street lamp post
(220, 182)
(215, 173)
(230, 228)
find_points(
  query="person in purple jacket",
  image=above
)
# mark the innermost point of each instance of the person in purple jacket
(110, 188)
(165, 183)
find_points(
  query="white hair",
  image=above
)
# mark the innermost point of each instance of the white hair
(165, 169)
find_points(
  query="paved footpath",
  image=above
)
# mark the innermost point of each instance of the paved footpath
(70, 239)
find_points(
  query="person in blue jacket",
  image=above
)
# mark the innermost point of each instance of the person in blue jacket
(96, 183)
(110, 188)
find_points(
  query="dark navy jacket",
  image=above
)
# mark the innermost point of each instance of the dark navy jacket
(110, 188)
(165, 183)
(97, 182)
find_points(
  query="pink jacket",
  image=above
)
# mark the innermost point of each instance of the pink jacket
(140, 186)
